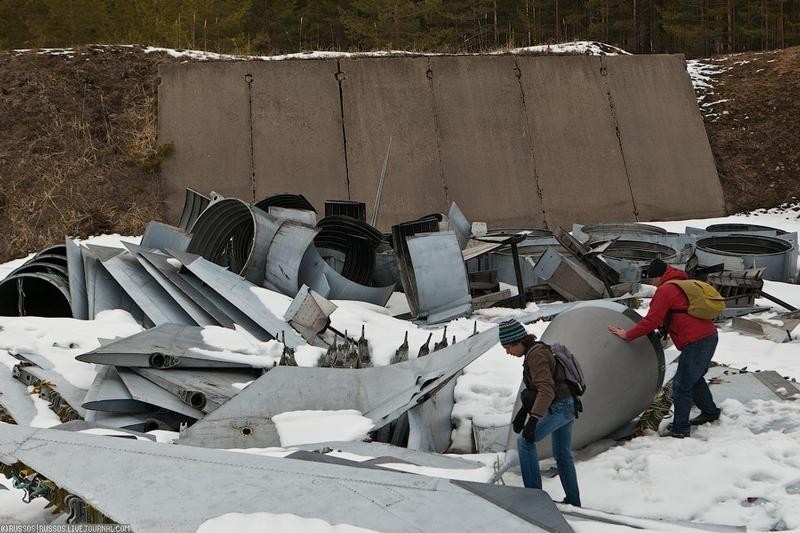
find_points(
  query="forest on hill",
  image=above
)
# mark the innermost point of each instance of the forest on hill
(696, 28)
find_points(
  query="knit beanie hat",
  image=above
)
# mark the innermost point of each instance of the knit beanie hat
(511, 331)
(656, 268)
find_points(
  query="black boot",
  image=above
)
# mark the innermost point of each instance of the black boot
(704, 418)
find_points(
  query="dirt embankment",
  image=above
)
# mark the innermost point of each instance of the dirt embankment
(754, 129)
(78, 152)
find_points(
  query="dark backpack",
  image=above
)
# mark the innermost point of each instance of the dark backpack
(573, 374)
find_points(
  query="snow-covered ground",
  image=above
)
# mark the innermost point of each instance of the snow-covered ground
(569, 48)
(744, 470)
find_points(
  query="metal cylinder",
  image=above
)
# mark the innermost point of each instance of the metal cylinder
(235, 235)
(777, 256)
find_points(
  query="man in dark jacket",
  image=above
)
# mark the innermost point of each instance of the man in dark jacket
(696, 338)
(548, 407)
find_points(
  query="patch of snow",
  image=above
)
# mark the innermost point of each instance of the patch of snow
(704, 75)
(14, 511)
(303, 427)
(570, 48)
(260, 522)
(745, 469)
(592, 48)
(237, 345)
(240, 386)
(45, 417)
(60, 340)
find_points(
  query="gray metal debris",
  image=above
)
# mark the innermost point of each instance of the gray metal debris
(402, 352)
(380, 393)
(77, 280)
(303, 216)
(458, 224)
(726, 382)
(39, 287)
(308, 314)
(322, 278)
(64, 398)
(102, 291)
(590, 233)
(194, 204)
(570, 279)
(765, 330)
(108, 393)
(241, 295)
(376, 499)
(146, 391)
(15, 400)
(151, 263)
(739, 288)
(234, 235)
(204, 390)
(777, 256)
(167, 346)
(156, 303)
(160, 236)
(440, 277)
(284, 256)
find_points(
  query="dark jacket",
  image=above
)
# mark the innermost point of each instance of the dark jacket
(544, 379)
(683, 328)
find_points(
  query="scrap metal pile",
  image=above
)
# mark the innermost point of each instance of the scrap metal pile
(228, 260)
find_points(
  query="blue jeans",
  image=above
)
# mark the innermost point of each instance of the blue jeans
(558, 422)
(689, 386)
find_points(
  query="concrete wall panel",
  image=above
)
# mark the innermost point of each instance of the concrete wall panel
(203, 111)
(463, 128)
(385, 98)
(578, 158)
(669, 159)
(485, 147)
(297, 130)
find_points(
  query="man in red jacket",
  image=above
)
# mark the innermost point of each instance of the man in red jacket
(696, 338)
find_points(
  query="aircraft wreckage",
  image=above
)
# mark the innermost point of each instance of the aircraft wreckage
(270, 270)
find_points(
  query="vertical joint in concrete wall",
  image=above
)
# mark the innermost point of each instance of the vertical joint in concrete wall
(339, 79)
(429, 75)
(529, 134)
(248, 78)
(604, 74)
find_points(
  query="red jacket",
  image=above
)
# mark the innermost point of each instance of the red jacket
(683, 328)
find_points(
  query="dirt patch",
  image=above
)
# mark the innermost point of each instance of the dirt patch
(77, 145)
(754, 130)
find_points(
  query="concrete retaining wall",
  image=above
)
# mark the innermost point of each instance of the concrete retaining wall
(515, 140)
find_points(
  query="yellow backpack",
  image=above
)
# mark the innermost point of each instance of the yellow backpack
(704, 300)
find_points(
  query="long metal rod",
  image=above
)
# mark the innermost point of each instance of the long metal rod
(518, 274)
(378, 195)
(777, 301)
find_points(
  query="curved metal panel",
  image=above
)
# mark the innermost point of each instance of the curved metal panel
(285, 256)
(777, 256)
(322, 278)
(440, 275)
(235, 235)
(35, 294)
(77, 280)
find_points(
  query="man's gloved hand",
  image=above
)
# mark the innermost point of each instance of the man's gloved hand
(519, 419)
(529, 432)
